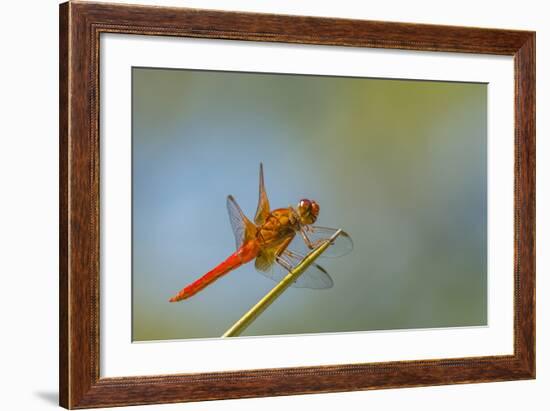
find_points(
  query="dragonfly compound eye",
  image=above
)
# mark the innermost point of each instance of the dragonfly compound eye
(314, 208)
(305, 204)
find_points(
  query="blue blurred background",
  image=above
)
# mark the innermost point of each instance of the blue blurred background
(401, 165)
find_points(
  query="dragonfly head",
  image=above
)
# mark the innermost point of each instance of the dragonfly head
(308, 210)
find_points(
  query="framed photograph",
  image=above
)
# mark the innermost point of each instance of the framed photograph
(259, 205)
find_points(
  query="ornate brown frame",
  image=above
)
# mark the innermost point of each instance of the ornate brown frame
(80, 27)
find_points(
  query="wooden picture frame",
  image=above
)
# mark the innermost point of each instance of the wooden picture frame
(80, 27)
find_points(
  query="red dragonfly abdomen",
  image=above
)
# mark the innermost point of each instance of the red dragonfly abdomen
(243, 255)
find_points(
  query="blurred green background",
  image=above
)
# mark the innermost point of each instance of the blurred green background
(401, 165)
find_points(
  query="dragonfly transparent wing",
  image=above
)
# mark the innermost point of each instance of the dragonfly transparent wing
(243, 228)
(262, 211)
(316, 235)
(315, 277)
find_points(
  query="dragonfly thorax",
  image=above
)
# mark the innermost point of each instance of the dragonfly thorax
(280, 225)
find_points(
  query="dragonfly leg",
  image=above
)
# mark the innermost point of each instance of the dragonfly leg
(310, 244)
(284, 263)
(294, 254)
(306, 239)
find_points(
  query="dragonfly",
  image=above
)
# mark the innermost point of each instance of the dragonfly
(277, 241)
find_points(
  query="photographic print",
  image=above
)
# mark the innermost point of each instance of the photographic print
(238, 176)
(246, 192)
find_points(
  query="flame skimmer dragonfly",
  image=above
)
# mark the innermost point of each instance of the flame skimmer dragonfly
(267, 240)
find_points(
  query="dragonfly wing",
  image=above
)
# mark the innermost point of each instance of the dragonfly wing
(243, 228)
(264, 261)
(315, 277)
(267, 256)
(341, 246)
(262, 211)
